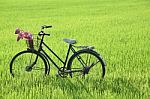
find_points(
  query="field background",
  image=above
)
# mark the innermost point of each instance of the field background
(119, 29)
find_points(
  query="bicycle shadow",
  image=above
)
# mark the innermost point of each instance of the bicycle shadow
(117, 86)
(87, 87)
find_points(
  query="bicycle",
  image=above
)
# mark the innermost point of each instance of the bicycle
(82, 62)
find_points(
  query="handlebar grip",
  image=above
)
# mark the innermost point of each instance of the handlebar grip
(47, 34)
(44, 26)
(48, 26)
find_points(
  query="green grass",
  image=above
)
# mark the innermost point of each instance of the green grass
(119, 29)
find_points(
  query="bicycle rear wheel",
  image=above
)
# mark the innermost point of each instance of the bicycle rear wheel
(86, 64)
(28, 64)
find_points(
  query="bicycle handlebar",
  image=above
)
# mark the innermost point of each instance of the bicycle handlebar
(42, 30)
(42, 33)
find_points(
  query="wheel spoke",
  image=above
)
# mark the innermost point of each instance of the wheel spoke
(38, 68)
(94, 64)
(87, 60)
(76, 68)
(81, 61)
(30, 58)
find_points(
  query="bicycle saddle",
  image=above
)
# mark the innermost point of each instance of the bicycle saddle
(70, 41)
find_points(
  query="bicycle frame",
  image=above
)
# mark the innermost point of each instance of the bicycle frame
(48, 57)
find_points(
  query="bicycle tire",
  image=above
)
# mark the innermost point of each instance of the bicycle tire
(74, 66)
(17, 62)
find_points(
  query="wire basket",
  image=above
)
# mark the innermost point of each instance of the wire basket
(34, 43)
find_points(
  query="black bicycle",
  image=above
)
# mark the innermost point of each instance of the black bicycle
(84, 62)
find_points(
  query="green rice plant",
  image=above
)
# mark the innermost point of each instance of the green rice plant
(119, 29)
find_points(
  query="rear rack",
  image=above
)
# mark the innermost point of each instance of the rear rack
(85, 47)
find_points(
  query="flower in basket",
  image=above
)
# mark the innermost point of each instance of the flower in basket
(22, 34)
(26, 35)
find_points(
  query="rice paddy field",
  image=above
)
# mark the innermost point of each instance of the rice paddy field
(119, 30)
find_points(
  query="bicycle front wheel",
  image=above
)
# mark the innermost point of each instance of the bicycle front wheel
(28, 64)
(86, 64)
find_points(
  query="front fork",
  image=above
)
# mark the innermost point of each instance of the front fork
(31, 64)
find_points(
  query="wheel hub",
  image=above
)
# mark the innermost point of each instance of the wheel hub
(86, 70)
(28, 68)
